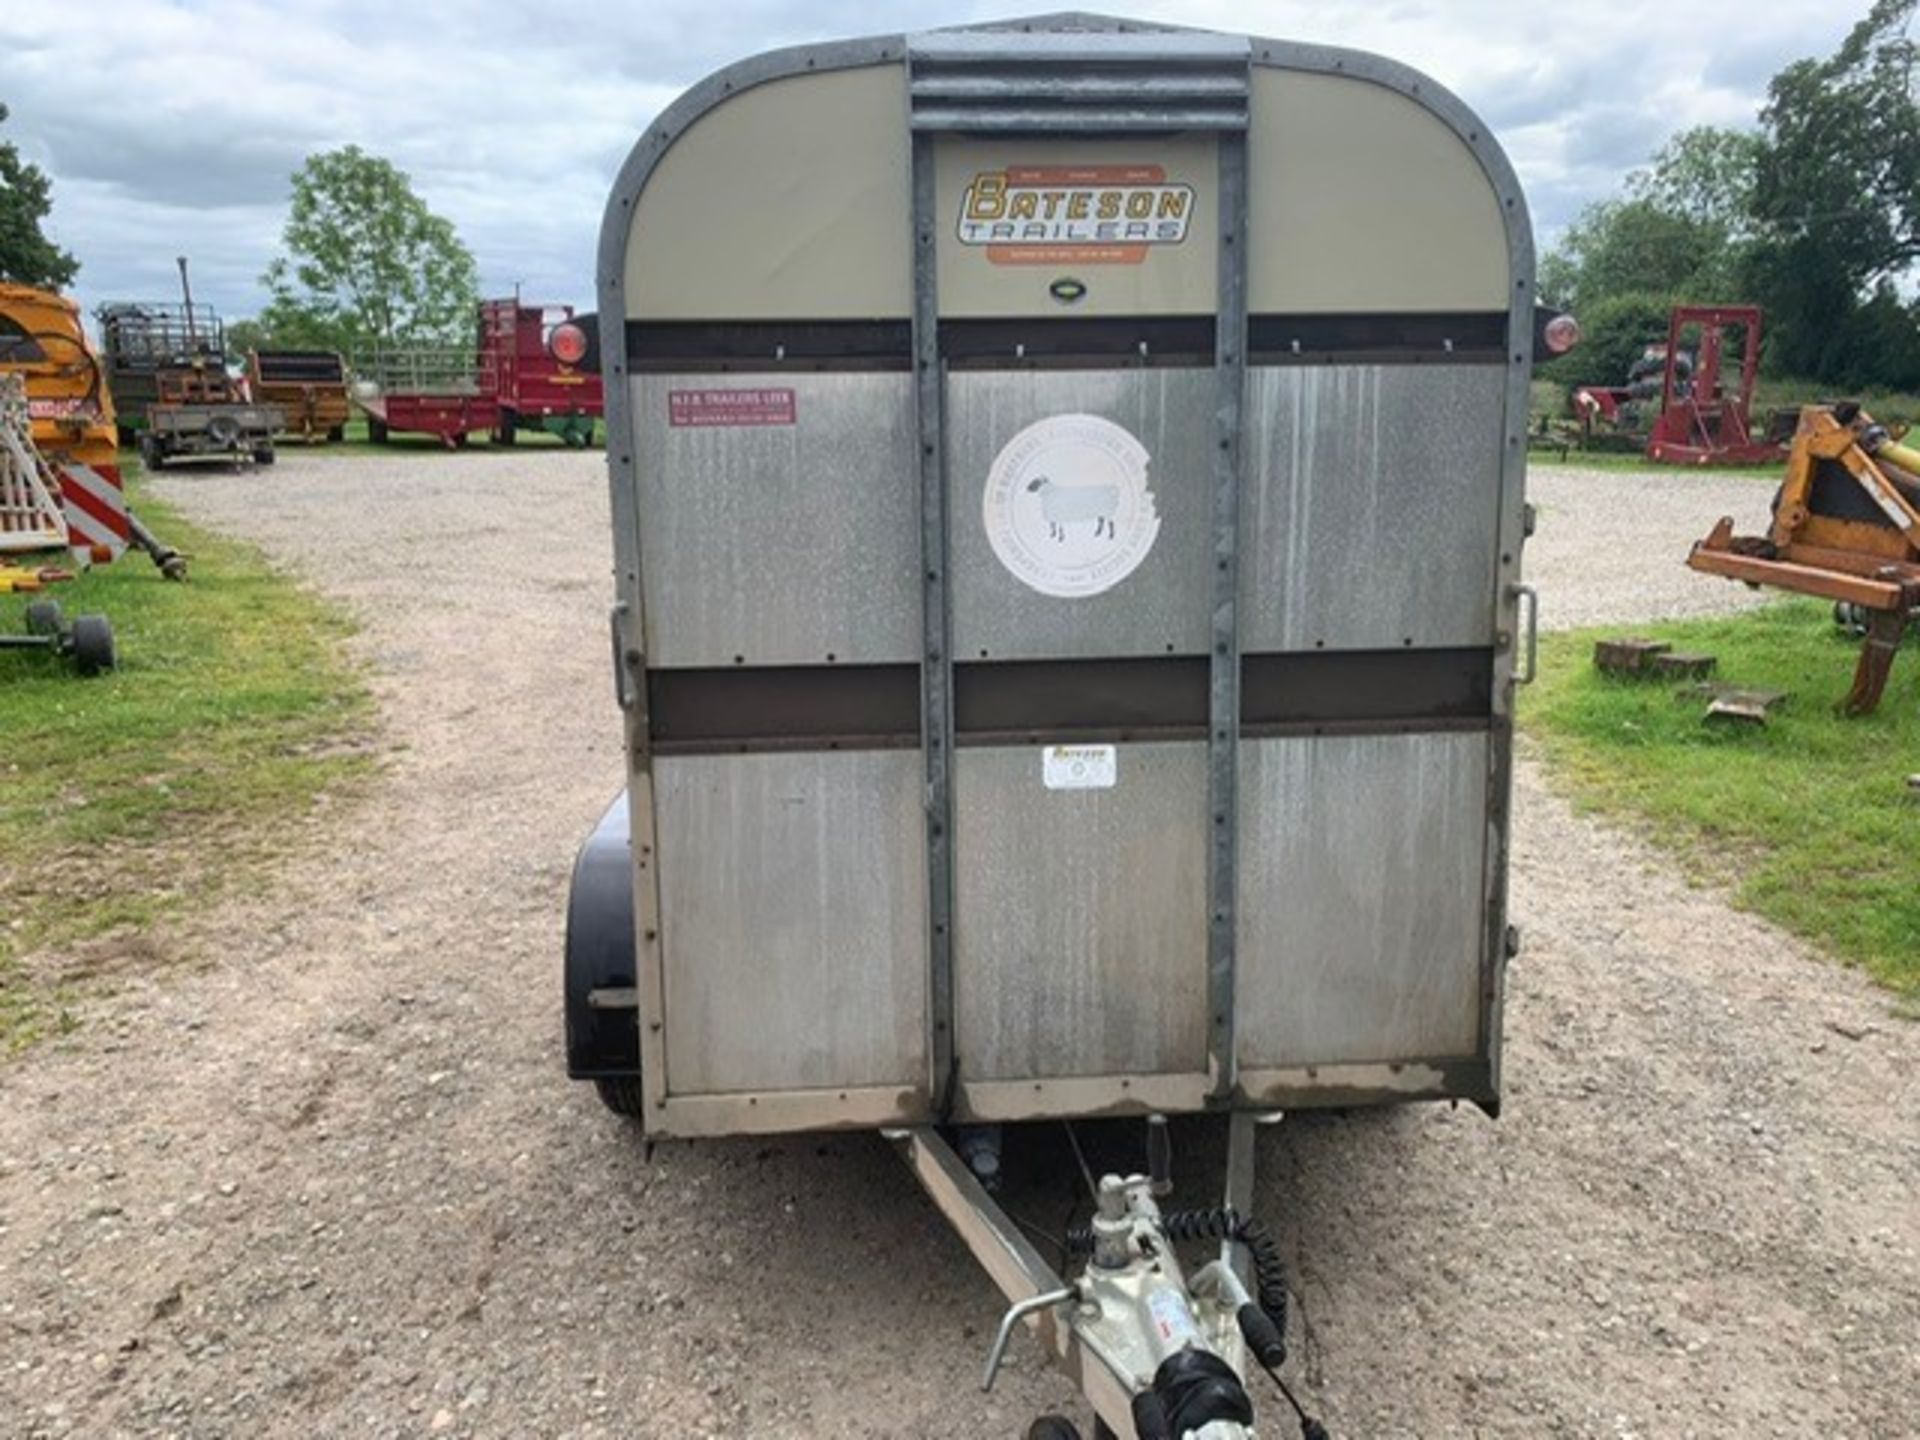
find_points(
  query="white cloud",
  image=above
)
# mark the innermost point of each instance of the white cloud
(171, 128)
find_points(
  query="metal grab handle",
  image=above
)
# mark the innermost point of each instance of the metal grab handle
(1530, 598)
(1015, 1314)
(622, 686)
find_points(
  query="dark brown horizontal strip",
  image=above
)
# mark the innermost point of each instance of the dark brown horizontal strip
(767, 707)
(680, 345)
(1040, 340)
(1349, 689)
(1164, 696)
(1018, 702)
(1462, 337)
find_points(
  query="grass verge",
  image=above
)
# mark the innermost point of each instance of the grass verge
(131, 797)
(1809, 821)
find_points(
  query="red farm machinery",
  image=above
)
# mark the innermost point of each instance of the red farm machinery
(526, 371)
(1698, 388)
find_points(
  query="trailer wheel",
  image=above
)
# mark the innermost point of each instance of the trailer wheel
(621, 1094)
(151, 455)
(376, 430)
(43, 617)
(92, 644)
(263, 456)
(336, 434)
(508, 432)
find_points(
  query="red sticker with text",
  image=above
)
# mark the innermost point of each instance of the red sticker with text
(730, 407)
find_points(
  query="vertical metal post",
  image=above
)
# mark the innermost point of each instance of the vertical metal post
(936, 666)
(1229, 362)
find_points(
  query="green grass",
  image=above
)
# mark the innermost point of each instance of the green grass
(133, 797)
(1809, 820)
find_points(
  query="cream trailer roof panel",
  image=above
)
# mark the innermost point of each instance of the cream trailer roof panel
(775, 193)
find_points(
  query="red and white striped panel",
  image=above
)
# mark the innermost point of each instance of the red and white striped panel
(96, 510)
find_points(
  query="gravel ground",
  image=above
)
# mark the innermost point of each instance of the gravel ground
(1610, 546)
(335, 1184)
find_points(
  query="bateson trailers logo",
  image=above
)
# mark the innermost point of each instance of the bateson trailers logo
(1088, 214)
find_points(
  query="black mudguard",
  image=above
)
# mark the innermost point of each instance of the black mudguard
(603, 1021)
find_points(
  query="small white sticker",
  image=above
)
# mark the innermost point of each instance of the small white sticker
(1080, 767)
(1067, 507)
(1171, 1317)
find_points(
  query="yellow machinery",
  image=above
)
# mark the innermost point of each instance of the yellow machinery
(1846, 527)
(42, 340)
(73, 425)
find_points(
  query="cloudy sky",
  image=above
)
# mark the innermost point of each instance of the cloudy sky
(171, 126)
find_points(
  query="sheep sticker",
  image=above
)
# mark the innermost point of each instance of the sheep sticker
(1067, 508)
(1063, 505)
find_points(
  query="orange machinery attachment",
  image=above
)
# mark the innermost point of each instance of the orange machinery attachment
(42, 341)
(1846, 527)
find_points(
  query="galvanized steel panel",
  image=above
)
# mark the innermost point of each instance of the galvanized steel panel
(1161, 607)
(1361, 894)
(779, 543)
(793, 920)
(1080, 944)
(1372, 513)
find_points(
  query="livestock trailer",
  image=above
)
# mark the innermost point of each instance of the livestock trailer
(1067, 491)
(537, 355)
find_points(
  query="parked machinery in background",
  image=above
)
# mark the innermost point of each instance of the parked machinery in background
(33, 528)
(308, 386)
(1685, 401)
(1846, 528)
(535, 353)
(72, 425)
(530, 369)
(167, 368)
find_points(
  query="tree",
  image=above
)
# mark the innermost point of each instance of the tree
(1836, 199)
(27, 257)
(245, 335)
(1706, 174)
(367, 263)
(1680, 230)
(1629, 247)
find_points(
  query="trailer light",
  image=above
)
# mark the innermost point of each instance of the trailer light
(1562, 334)
(568, 344)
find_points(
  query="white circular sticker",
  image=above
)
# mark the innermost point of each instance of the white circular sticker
(1067, 507)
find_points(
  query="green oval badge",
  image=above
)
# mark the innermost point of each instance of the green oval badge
(1067, 290)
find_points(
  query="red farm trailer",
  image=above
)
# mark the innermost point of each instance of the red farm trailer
(523, 373)
(534, 353)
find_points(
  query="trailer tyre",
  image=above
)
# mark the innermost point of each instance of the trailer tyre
(92, 644)
(43, 617)
(621, 1095)
(377, 431)
(151, 455)
(263, 456)
(336, 434)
